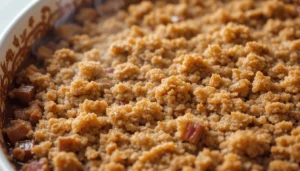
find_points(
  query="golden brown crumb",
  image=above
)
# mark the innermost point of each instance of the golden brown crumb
(66, 161)
(278, 165)
(42, 149)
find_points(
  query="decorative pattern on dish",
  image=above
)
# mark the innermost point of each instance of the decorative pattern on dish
(21, 46)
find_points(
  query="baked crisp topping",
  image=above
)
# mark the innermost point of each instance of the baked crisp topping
(191, 85)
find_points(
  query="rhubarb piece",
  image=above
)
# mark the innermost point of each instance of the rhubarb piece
(152, 28)
(33, 113)
(17, 130)
(36, 166)
(21, 114)
(109, 70)
(176, 19)
(123, 102)
(22, 150)
(193, 132)
(24, 93)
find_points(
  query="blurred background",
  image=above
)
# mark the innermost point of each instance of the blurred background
(9, 9)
